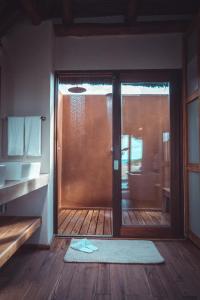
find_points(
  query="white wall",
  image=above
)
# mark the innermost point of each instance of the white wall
(128, 52)
(27, 90)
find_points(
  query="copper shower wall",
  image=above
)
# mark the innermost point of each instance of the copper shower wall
(86, 152)
(85, 158)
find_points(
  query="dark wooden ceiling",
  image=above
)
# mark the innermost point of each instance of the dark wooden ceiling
(68, 10)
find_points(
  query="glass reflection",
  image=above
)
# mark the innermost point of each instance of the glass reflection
(145, 154)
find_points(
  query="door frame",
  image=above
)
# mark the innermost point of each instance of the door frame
(174, 77)
(175, 230)
(60, 74)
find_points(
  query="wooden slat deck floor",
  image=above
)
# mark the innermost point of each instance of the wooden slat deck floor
(99, 221)
(42, 274)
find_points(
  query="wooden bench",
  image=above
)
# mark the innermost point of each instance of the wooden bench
(15, 231)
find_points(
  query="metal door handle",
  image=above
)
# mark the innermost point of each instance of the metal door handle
(116, 165)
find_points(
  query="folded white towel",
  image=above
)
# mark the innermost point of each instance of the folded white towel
(33, 128)
(15, 136)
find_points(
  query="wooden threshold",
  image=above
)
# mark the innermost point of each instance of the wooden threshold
(15, 231)
(150, 232)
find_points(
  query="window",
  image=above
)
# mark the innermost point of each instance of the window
(132, 154)
(136, 154)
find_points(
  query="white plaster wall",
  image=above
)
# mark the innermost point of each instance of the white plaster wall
(27, 90)
(128, 52)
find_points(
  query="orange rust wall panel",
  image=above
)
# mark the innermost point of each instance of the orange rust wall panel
(87, 157)
(86, 165)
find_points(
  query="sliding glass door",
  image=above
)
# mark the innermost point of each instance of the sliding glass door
(145, 154)
(149, 155)
(119, 163)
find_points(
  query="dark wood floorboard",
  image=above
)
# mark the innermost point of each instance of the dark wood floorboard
(99, 221)
(42, 274)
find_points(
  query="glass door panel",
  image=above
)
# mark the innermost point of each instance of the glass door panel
(145, 154)
(85, 157)
(193, 132)
(194, 202)
(192, 63)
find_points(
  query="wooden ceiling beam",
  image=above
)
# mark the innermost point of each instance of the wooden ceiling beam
(145, 8)
(80, 30)
(132, 10)
(30, 9)
(8, 21)
(67, 12)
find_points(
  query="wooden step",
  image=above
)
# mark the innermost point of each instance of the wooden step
(14, 232)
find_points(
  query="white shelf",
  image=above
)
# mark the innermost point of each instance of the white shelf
(15, 189)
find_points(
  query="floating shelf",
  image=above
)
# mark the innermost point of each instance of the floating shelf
(15, 189)
(14, 231)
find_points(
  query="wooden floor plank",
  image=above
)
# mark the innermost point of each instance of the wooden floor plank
(132, 217)
(73, 221)
(24, 261)
(100, 223)
(103, 283)
(80, 221)
(62, 216)
(158, 290)
(107, 224)
(66, 221)
(86, 275)
(38, 274)
(86, 223)
(126, 218)
(62, 289)
(43, 283)
(146, 217)
(138, 216)
(179, 269)
(93, 223)
(155, 216)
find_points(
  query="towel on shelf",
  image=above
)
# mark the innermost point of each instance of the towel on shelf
(15, 136)
(33, 133)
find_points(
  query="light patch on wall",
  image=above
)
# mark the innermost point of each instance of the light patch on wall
(126, 89)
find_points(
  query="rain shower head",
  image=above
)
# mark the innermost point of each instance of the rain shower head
(77, 90)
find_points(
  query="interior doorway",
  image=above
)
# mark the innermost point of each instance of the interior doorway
(84, 156)
(118, 154)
